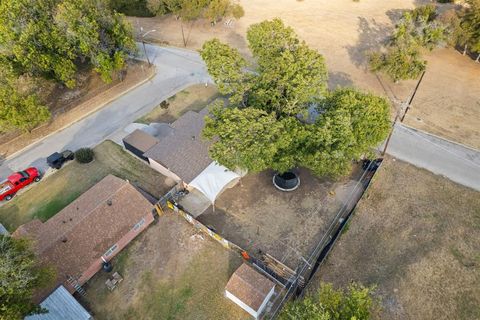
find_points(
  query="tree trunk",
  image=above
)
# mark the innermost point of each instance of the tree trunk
(465, 49)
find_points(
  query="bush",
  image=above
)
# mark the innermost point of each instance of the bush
(84, 155)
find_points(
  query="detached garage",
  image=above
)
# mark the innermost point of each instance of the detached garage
(138, 142)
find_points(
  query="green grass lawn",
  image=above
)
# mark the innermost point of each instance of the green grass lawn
(54, 192)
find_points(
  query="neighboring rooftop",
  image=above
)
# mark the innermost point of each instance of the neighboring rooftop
(249, 286)
(61, 305)
(85, 229)
(184, 152)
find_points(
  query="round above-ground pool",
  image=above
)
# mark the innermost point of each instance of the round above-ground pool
(287, 181)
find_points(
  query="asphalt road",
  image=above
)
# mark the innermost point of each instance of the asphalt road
(176, 69)
(454, 161)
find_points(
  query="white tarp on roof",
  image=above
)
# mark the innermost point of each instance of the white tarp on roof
(213, 179)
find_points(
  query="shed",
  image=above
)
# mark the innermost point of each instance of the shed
(138, 142)
(61, 305)
(250, 290)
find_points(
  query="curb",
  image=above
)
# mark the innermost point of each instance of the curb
(439, 137)
(100, 106)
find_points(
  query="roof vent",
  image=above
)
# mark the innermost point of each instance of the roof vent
(193, 138)
(64, 240)
(109, 202)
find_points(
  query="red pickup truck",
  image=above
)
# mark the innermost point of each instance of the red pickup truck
(17, 181)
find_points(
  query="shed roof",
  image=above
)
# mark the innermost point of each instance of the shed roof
(249, 286)
(85, 229)
(183, 152)
(140, 140)
(61, 305)
(3, 230)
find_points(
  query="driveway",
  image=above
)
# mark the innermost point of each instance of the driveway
(456, 162)
(176, 69)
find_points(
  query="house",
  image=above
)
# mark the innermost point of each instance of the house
(61, 305)
(139, 142)
(90, 230)
(250, 290)
(183, 156)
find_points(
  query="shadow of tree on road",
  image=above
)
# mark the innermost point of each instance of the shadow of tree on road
(339, 79)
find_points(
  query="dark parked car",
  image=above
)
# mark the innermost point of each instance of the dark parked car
(56, 160)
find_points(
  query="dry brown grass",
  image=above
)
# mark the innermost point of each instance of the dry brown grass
(417, 237)
(194, 98)
(169, 272)
(344, 32)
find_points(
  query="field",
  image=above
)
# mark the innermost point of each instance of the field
(416, 236)
(287, 225)
(345, 31)
(170, 272)
(194, 98)
(54, 192)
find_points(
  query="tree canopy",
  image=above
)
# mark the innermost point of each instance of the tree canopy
(47, 38)
(272, 122)
(417, 29)
(471, 25)
(354, 303)
(20, 275)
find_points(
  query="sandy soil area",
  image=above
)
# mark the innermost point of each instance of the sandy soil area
(170, 272)
(344, 31)
(416, 236)
(287, 225)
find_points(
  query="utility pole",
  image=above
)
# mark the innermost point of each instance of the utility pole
(413, 96)
(143, 43)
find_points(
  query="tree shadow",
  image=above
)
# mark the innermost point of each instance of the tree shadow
(372, 37)
(339, 79)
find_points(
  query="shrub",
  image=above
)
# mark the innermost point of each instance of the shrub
(84, 155)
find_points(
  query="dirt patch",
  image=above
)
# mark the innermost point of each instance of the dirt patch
(170, 272)
(194, 98)
(344, 31)
(70, 105)
(287, 225)
(417, 237)
(56, 191)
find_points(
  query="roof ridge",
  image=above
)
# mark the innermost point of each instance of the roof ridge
(85, 216)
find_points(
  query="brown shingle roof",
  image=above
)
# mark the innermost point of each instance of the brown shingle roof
(140, 140)
(83, 231)
(184, 152)
(249, 286)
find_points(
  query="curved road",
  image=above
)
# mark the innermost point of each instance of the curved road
(177, 69)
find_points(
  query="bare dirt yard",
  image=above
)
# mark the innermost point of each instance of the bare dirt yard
(344, 31)
(170, 272)
(47, 197)
(416, 236)
(70, 105)
(194, 98)
(287, 225)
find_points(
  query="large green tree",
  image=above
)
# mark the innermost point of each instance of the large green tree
(20, 275)
(48, 38)
(271, 121)
(20, 108)
(471, 24)
(418, 29)
(354, 303)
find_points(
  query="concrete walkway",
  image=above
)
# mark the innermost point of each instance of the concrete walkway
(456, 162)
(176, 70)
